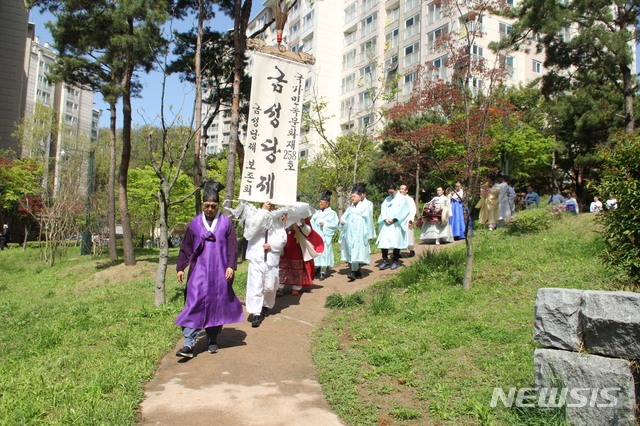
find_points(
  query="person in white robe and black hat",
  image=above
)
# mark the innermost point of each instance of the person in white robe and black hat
(392, 226)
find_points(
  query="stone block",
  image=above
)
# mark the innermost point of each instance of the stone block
(611, 323)
(597, 390)
(557, 318)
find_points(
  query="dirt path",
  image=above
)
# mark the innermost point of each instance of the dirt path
(260, 376)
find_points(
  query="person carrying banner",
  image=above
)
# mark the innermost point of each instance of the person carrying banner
(210, 250)
(303, 245)
(266, 237)
(325, 222)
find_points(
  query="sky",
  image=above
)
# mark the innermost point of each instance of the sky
(146, 108)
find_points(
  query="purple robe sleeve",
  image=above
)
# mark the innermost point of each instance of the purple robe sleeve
(232, 247)
(186, 250)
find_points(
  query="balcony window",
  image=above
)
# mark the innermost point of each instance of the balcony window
(411, 4)
(434, 35)
(392, 16)
(537, 67)
(367, 5)
(412, 26)
(409, 80)
(435, 12)
(368, 49)
(346, 106)
(369, 24)
(350, 12)
(349, 83)
(349, 59)
(367, 75)
(437, 69)
(391, 39)
(507, 63)
(412, 54)
(350, 37)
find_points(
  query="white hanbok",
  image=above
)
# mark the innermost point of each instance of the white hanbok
(355, 233)
(411, 237)
(369, 205)
(330, 220)
(261, 227)
(438, 232)
(394, 235)
(504, 209)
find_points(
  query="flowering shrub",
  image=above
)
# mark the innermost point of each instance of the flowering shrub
(534, 220)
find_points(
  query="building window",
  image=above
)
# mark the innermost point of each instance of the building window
(369, 24)
(349, 83)
(409, 80)
(507, 63)
(391, 39)
(537, 66)
(434, 35)
(505, 30)
(349, 59)
(411, 4)
(392, 16)
(294, 32)
(435, 12)
(367, 5)
(307, 21)
(437, 69)
(367, 75)
(364, 100)
(350, 37)
(412, 26)
(412, 54)
(368, 49)
(350, 12)
(346, 106)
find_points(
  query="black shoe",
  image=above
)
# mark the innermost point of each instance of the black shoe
(213, 348)
(358, 274)
(186, 351)
(321, 276)
(352, 277)
(412, 253)
(264, 312)
(257, 320)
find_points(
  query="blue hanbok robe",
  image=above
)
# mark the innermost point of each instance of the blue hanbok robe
(210, 299)
(355, 229)
(326, 231)
(393, 236)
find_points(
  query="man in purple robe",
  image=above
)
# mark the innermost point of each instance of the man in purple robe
(210, 250)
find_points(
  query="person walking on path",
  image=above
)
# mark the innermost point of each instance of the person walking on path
(413, 209)
(392, 226)
(355, 233)
(210, 250)
(325, 222)
(266, 237)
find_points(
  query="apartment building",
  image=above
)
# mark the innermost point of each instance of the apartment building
(78, 120)
(362, 47)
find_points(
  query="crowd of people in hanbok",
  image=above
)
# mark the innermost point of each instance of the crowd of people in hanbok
(289, 247)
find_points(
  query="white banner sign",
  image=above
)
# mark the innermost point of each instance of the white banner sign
(270, 170)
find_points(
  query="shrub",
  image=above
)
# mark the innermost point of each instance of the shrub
(338, 301)
(621, 227)
(530, 221)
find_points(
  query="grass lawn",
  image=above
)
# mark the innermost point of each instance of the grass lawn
(79, 341)
(417, 349)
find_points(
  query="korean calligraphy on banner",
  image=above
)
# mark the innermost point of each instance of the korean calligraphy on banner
(270, 169)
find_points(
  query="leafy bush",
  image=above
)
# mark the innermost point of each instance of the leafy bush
(533, 220)
(621, 227)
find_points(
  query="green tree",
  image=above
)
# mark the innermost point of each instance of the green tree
(583, 35)
(103, 44)
(621, 226)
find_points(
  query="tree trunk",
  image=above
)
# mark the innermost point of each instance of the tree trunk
(627, 81)
(111, 193)
(240, 20)
(127, 239)
(468, 268)
(163, 259)
(199, 172)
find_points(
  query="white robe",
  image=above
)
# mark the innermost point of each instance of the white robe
(393, 236)
(263, 272)
(504, 209)
(355, 228)
(326, 231)
(369, 205)
(438, 231)
(411, 236)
